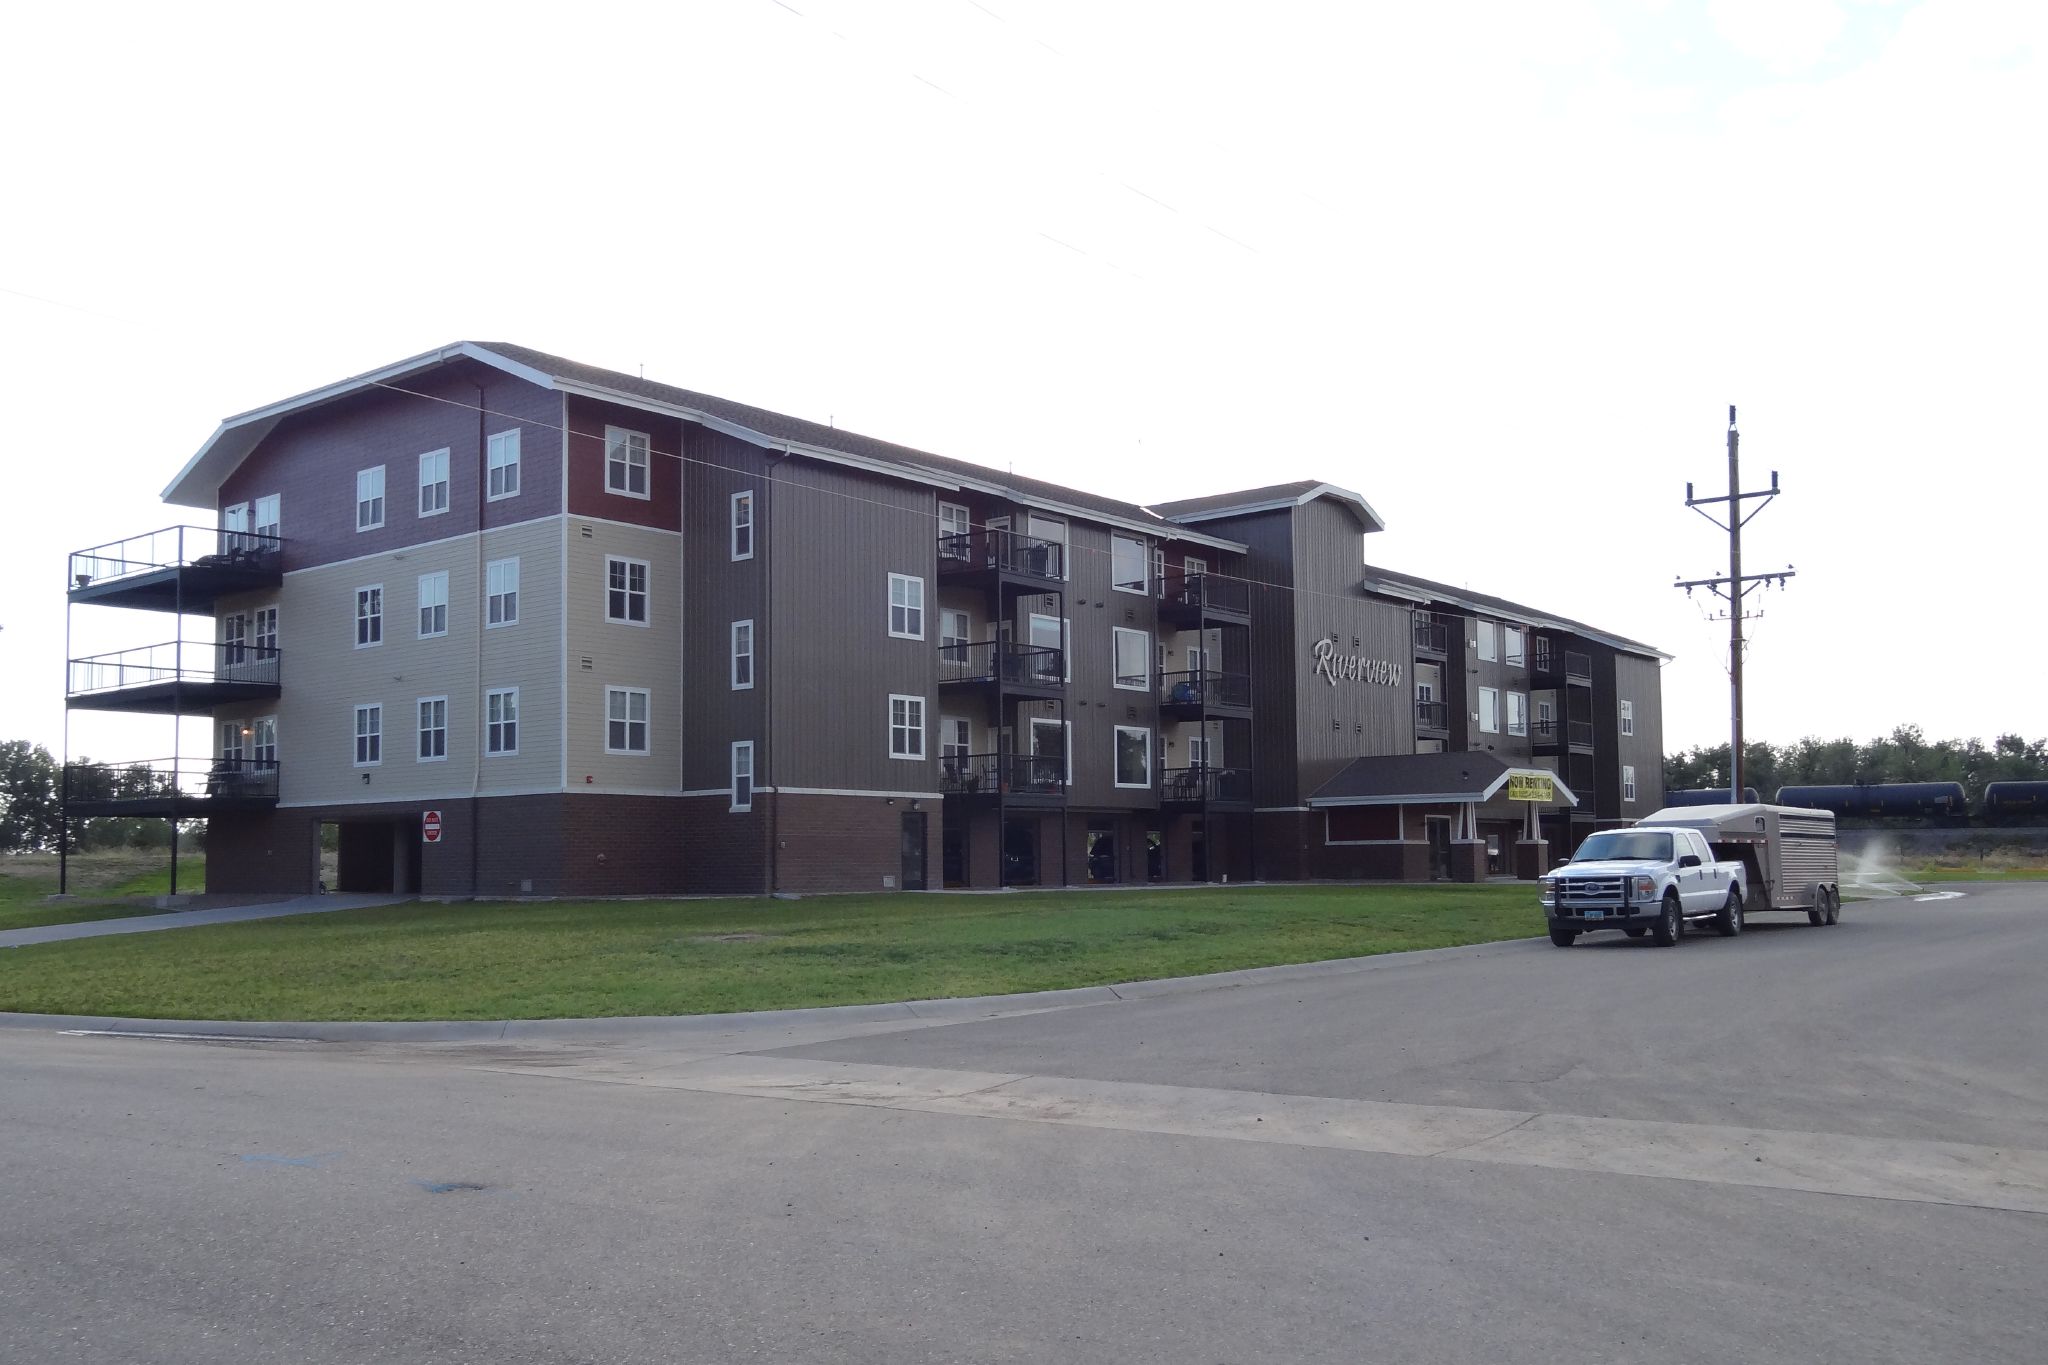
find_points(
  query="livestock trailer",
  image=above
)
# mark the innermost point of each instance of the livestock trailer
(1790, 853)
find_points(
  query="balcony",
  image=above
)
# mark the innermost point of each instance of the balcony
(1550, 666)
(1205, 787)
(179, 788)
(174, 678)
(1035, 670)
(180, 569)
(1205, 597)
(1548, 736)
(1433, 719)
(1011, 779)
(996, 554)
(1432, 637)
(1204, 692)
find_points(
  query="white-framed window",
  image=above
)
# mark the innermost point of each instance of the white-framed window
(742, 655)
(1628, 782)
(1489, 642)
(1513, 651)
(234, 519)
(369, 735)
(1127, 560)
(743, 527)
(370, 616)
(501, 721)
(625, 720)
(501, 465)
(1053, 741)
(906, 607)
(1053, 632)
(234, 638)
(625, 590)
(266, 632)
(233, 743)
(1199, 751)
(906, 726)
(1159, 569)
(369, 498)
(956, 539)
(501, 592)
(433, 730)
(625, 463)
(1133, 756)
(956, 741)
(433, 604)
(269, 518)
(954, 625)
(1055, 530)
(742, 775)
(1628, 717)
(1489, 710)
(1546, 717)
(263, 743)
(1133, 659)
(433, 483)
(1518, 713)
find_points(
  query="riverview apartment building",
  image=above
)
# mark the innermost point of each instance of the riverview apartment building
(513, 625)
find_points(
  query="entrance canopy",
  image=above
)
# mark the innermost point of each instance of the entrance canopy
(1440, 779)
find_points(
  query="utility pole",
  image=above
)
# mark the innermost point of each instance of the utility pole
(1734, 587)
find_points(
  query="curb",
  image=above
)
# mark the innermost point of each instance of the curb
(909, 1012)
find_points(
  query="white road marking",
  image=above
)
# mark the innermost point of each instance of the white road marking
(1825, 1163)
(1941, 896)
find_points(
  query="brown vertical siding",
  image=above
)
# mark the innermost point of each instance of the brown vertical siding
(587, 420)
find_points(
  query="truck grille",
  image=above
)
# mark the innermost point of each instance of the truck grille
(1575, 891)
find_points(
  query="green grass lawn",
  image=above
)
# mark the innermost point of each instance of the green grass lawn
(568, 960)
(100, 881)
(1992, 873)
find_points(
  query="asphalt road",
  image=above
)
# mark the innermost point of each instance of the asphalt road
(1800, 1145)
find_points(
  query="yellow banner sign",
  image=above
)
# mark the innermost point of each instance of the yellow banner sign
(1531, 788)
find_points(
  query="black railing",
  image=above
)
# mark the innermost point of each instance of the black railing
(1208, 591)
(1571, 663)
(1576, 732)
(1204, 785)
(1431, 635)
(175, 547)
(1007, 551)
(161, 781)
(1002, 774)
(174, 661)
(1205, 688)
(1433, 715)
(1002, 661)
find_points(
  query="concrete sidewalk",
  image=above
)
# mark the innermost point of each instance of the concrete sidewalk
(186, 919)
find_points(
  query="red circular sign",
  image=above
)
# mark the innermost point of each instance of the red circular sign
(430, 827)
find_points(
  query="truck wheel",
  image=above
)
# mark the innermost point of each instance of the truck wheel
(1834, 906)
(1562, 938)
(1729, 921)
(1671, 923)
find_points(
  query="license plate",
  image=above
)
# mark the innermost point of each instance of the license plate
(1596, 914)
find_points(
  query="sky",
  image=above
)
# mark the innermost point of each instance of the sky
(1499, 268)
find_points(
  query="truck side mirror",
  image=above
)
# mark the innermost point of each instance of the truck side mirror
(1689, 860)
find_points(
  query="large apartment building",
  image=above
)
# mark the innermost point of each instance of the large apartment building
(519, 626)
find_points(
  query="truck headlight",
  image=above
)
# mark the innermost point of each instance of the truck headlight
(1646, 887)
(1546, 887)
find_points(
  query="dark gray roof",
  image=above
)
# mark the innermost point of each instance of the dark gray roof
(1444, 592)
(1243, 497)
(781, 427)
(1387, 775)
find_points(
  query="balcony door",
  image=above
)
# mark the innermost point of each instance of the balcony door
(234, 526)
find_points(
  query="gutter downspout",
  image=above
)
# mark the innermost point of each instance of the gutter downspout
(476, 753)
(766, 656)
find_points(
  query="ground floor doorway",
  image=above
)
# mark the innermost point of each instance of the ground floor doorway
(377, 857)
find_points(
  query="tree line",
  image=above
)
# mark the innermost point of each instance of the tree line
(1905, 755)
(31, 783)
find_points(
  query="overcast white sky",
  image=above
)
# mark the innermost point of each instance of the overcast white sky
(1499, 268)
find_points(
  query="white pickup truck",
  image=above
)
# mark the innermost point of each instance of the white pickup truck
(1648, 879)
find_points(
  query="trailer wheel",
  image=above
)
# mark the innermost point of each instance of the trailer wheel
(1819, 914)
(1671, 923)
(1729, 921)
(1834, 905)
(1562, 938)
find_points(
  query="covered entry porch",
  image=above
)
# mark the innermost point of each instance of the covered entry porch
(1436, 817)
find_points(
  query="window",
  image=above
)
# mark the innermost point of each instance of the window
(433, 605)
(1133, 659)
(1198, 751)
(953, 627)
(501, 592)
(369, 736)
(742, 775)
(956, 540)
(370, 499)
(433, 729)
(234, 638)
(956, 742)
(264, 748)
(1159, 569)
(1628, 782)
(1628, 718)
(743, 525)
(625, 590)
(625, 717)
(1511, 646)
(1133, 756)
(1546, 718)
(433, 483)
(1052, 752)
(501, 720)
(232, 740)
(742, 655)
(501, 461)
(906, 726)
(1489, 710)
(906, 607)
(266, 632)
(267, 518)
(1518, 713)
(1127, 564)
(1489, 642)
(1054, 530)
(369, 616)
(625, 462)
(1051, 632)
